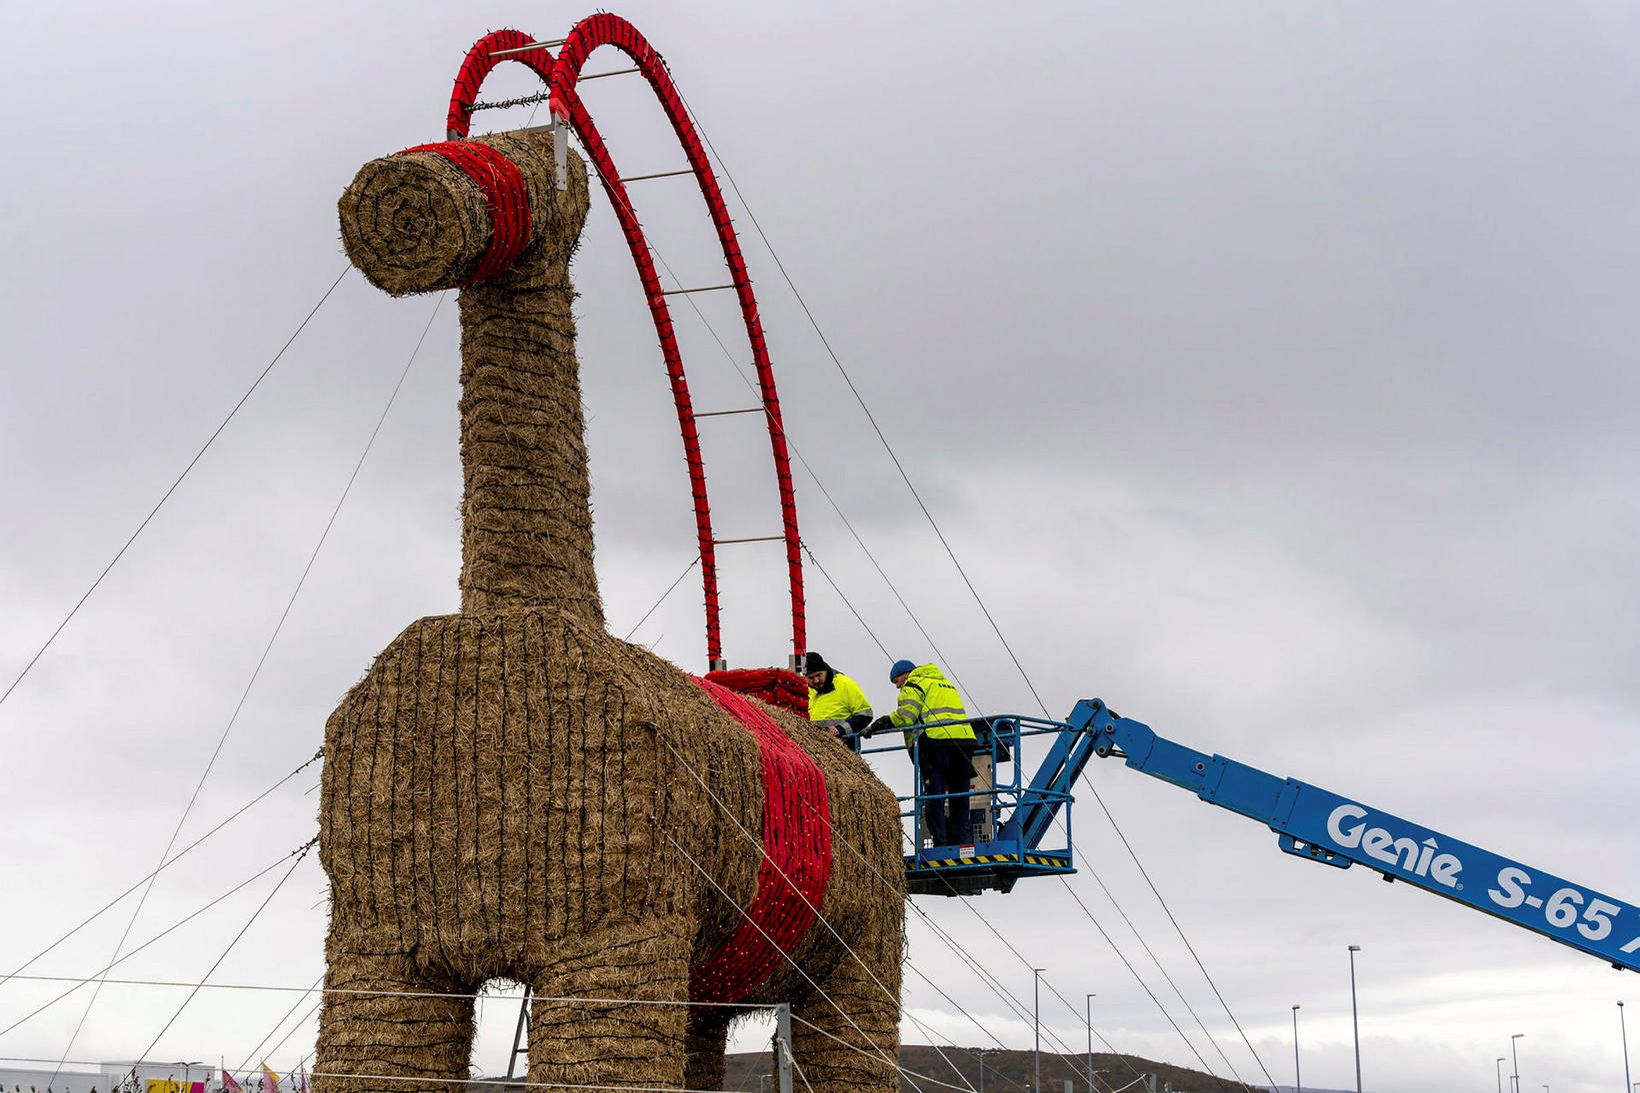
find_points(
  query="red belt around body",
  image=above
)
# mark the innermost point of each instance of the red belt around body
(791, 880)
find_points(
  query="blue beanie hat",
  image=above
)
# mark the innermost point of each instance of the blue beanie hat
(900, 667)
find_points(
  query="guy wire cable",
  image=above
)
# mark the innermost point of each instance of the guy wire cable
(807, 550)
(846, 601)
(888, 448)
(259, 874)
(230, 818)
(881, 1056)
(281, 988)
(729, 175)
(757, 844)
(819, 484)
(986, 976)
(1120, 910)
(1060, 824)
(872, 557)
(515, 1083)
(294, 1006)
(656, 605)
(1180, 930)
(1165, 975)
(243, 930)
(166, 496)
(870, 417)
(256, 672)
(1140, 980)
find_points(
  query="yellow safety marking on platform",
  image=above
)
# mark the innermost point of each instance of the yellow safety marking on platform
(994, 859)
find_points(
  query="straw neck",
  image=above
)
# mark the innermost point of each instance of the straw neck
(526, 534)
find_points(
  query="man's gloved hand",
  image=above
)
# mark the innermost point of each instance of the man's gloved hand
(858, 722)
(882, 724)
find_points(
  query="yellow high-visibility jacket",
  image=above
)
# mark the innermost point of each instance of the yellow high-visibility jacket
(841, 702)
(928, 696)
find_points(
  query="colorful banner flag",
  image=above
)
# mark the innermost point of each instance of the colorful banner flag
(230, 1084)
(270, 1080)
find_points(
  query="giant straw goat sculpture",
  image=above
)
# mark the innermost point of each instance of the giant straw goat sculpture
(512, 793)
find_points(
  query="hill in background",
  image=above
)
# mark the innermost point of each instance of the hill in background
(1011, 1072)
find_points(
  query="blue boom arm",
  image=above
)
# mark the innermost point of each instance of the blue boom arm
(1322, 826)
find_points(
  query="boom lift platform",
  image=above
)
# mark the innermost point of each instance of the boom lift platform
(1011, 820)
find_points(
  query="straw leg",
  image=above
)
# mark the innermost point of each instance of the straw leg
(390, 1034)
(707, 1038)
(848, 1039)
(589, 1024)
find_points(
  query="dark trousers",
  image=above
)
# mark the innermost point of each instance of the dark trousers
(944, 768)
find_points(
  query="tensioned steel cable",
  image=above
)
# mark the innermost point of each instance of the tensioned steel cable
(261, 661)
(294, 1006)
(280, 988)
(166, 496)
(985, 975)
(926, 512)
(804, 1078)
(663, 596)
(886, 579)
(106, 968)
(516, 1083)
(881, 1054)
(847, 602)
(827, 494)
(1140, 980)
(1138, 936)
(870, 417)
(1019, 1006)
(1211, 1039)
(305, 992)
(819, 484)
(513, 1082)
(907, 1074)
(889, 582)
(243, 930)
(1144, 873)
(1109, 940)
(887, 447)
(763, 853)
(89, 919)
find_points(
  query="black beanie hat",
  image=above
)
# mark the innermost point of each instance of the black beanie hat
(814, 662)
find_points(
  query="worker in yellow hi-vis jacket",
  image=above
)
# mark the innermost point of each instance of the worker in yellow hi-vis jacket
(836, 702)
(928, 699)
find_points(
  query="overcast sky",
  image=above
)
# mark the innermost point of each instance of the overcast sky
(1270, 368)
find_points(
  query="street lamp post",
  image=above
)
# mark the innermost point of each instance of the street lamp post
(982, 1053)
(1090, 999)
(1355, 1018)
(1298, 1079)
(188, 1074)
(1623, 1028)
(1036, 1022)
(1501, 1061)
(1515, 1054)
